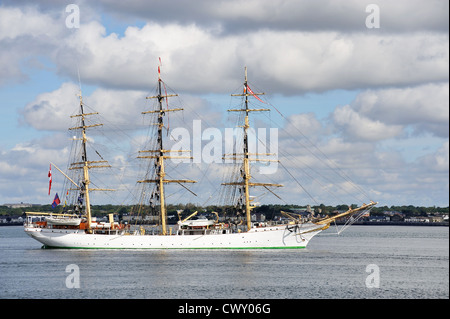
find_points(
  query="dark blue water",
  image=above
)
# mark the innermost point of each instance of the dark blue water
(411, 262)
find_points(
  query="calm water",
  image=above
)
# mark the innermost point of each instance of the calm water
(413, 262)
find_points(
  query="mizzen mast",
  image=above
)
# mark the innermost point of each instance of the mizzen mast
(246, 176)
(160, 154)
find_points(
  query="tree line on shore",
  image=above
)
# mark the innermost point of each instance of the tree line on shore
(269, 211)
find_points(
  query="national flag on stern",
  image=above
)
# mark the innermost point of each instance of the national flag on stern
(56, 201)
(49, 179)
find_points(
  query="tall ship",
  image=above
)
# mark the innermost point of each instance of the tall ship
(78, 229)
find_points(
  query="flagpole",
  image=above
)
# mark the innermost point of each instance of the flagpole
(65, 175)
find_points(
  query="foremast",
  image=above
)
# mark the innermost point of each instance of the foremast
(160, 154)
(246, 176)
(84, 164)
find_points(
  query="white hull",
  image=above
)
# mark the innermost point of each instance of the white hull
(280, 236)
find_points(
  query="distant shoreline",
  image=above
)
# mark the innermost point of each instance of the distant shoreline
(11, 224)
(399, 223)
(363, 223)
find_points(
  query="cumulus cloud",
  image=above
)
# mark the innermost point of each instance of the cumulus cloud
(359, 127)
(425, 107)
(382, 114)
(438, 161)
(294, 62)
(50, 111)
(24, 33)
(120, 109)
(235, 16)
(198, 58)
(23, 169)
(307, 123)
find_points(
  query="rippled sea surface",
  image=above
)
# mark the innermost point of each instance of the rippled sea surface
(406, 262)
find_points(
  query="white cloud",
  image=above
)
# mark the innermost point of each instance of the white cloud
(199, 60)
(425, 107)
(204, 59)
(305, 123)
(24, 34)
(24, 168)
(359, 127)
(438, 161)
(50, 111)
(236, 16)
(26, 22)
(386, 113)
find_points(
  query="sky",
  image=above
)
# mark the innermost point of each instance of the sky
(364, 85)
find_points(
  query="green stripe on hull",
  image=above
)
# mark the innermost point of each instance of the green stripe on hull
(205, 248)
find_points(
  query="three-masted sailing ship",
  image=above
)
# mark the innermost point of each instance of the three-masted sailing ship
(78, 229)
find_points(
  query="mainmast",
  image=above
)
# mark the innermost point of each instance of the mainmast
(159, 153)
(246, 177)
(85, 165)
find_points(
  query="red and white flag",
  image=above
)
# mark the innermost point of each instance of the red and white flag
(251, 92)
(50, 179)
(159, 69)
